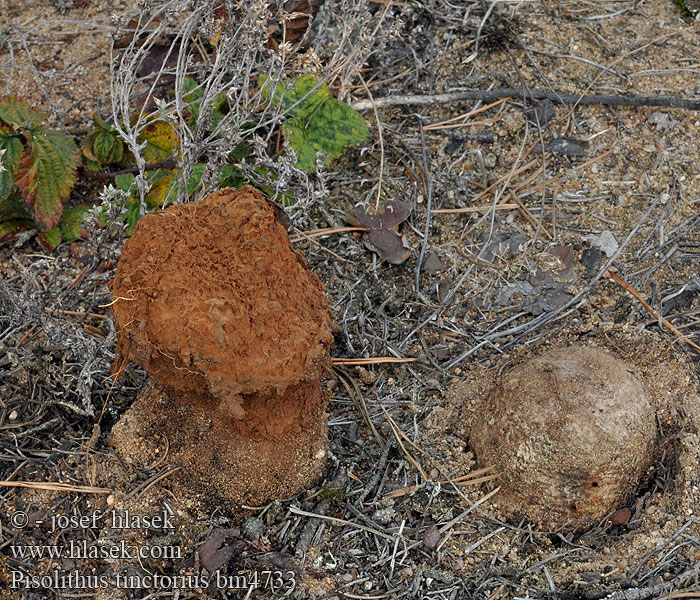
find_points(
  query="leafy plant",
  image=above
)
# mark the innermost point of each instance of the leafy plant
(39, 169)
(316, 121)
(160, 145)
(102, 145)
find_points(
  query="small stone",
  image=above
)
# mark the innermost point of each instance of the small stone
(433, 263)
(621, 517)
(605, 241)
(13, 415)
(431, 537)
(253, 529)
(591, 259)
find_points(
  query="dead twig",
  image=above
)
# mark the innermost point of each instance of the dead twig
(469, 479)
(536, 94)
(471, 209)
(369, 361)
(57, 487)
(313, 233)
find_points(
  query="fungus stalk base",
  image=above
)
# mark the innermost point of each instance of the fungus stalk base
(276, 452)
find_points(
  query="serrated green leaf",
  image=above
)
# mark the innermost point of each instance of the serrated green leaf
(195, 178)
(124, 181)
(92, 165)
(333, 128)
(133, 214)
(299, 100)
(317, 122)
(240, 151)
(117, 153)
(103, 146)
(16, 112)
(71, 224)
(46, 173)
(10, 160)
(52, 236)
(88, 146)
(163, 187)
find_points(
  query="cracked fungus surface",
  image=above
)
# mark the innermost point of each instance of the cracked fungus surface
(572, 432)
(212, 300)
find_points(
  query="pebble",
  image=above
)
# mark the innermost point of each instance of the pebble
(431, 537)
(13, 415)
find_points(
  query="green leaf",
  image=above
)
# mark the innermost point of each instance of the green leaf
(102, 145)
(163, 187)
(298, 100)
(240, 151)
(92, 165)
(108, 148)
(88, 146)
(133, 214)
(71, 224)
(10, 160)
(46, 173)
(16, 112)
(12, 207)
(318, 122)
(195, 178)
(333, 128)
(124, 181)
(52, 236)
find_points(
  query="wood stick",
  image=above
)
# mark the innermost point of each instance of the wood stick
(370, 361)
(471, 209)
(535, 94)
(56, 487)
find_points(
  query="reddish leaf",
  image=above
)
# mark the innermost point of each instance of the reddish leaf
(382, 236)
(215, 552)
(46, 173)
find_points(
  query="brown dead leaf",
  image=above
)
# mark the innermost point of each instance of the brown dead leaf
(382, 235)
(215, 551)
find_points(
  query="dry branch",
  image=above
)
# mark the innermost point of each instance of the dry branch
(536, 94)
(56, 487)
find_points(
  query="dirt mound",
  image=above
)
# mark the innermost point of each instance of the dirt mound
(211, 299)
(571, 432)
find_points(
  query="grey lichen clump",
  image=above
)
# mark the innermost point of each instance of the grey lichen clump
(571, 433)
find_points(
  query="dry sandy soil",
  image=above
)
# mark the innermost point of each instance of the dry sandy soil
(403, 509)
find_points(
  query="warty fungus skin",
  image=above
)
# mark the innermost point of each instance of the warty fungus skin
(213, 302)
(572, 433)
